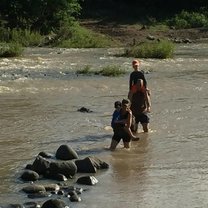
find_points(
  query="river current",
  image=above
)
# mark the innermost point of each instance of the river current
(168, 167)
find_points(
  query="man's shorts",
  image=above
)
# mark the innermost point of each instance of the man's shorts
(133, 88)
(142, 118)
(121, 134)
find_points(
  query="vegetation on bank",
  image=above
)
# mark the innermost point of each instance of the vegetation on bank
(55, 23)
(80, 37)
(109, 71)
(10, 49)
(158, 49)
(187, 19)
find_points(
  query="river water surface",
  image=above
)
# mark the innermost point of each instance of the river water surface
(40, 94)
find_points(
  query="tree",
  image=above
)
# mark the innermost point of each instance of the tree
(39, 15)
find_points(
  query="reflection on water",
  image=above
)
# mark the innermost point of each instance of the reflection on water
(40, 95)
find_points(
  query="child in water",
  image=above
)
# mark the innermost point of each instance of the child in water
(121, 123)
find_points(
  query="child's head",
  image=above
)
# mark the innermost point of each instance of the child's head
(126, 103)
(117, 104)
(135, 64)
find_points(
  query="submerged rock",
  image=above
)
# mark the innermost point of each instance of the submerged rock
(84, 110)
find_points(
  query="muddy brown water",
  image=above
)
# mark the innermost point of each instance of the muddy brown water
(40, 94)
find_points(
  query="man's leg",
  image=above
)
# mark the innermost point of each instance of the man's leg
(113, 145)
(145, 127)
(144, 119)
(127, 145)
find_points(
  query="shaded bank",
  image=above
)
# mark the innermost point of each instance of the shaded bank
(128, 34)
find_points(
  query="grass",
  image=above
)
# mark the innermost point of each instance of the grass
(109, 71)
(10, 49)
(23, 37)
(80, 37)
(161, 50)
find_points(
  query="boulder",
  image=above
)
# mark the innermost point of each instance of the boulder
(85, 166)
(52, 187)
(39, 195)
(84, 110)
(67, 168)
(87, 180)
(74, 196)
(64, 152)
(40, 165)
(54, 203)
(16, 206)
(33, 188)
(45, 155)
(90, 165)
(30, 175)
(99, 164)
(31, 204)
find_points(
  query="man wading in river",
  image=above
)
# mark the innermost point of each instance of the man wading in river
(140, 106)
(134, 76)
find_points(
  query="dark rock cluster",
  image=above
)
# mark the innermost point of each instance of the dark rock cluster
(61, 167)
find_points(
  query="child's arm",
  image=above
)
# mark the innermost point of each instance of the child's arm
(128, 126)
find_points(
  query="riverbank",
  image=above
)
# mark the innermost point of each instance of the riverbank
(129, 34)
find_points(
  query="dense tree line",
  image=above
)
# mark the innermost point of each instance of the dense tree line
(48, 15)
(137, 8)
(39, 15)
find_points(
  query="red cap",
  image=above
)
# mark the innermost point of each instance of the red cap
(135, 62)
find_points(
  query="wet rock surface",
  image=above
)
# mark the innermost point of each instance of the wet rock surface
(61, 194)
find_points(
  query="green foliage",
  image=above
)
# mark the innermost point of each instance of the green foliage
(10, 49)
(86, 70)
(23, 37)
(161, 50)
(189, 20)
(26, 37)
(38, 15)
(109, 71)
(75, 36)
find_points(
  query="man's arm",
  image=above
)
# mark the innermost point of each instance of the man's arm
(130, 81)
(147, 100)
(144, 80)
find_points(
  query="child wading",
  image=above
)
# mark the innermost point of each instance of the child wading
(121, 124)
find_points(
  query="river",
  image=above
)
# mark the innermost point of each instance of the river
(168, 167)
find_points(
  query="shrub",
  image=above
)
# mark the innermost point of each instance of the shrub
(162, 49)
(110, 71)
(10, 49)
(86, 70)
(23, 37)
(189, 20)
(26, 37)
(80, 37)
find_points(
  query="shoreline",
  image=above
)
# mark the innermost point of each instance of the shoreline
(129, 34)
